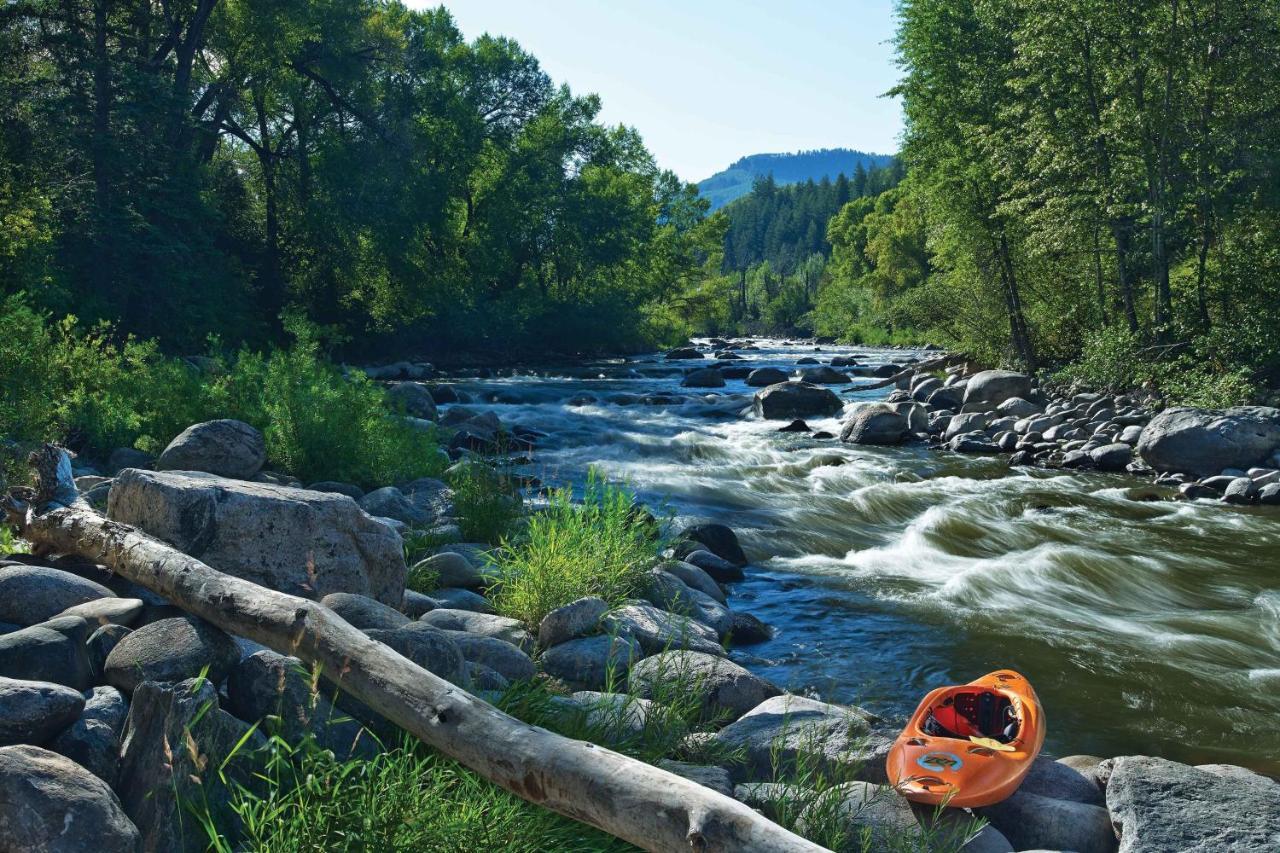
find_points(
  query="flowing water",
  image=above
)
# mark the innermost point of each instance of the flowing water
(1146, 626)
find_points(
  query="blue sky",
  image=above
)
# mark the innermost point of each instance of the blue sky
(708, 81)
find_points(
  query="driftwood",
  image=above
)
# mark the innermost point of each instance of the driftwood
(931, 364)
(651, 808)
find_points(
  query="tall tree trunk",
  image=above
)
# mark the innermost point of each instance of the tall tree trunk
(272, 275)
(102, 268)
(1018, 333)
(1160, 189)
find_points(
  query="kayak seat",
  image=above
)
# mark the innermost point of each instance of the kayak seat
(975, 713)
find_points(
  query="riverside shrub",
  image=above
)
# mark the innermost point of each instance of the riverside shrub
(599, 547)
(94, 393)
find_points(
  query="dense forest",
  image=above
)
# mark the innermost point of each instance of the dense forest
(739, 179)
(206, 167)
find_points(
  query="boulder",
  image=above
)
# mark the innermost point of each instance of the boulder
(33, 594)
(707, 377)
(718, 568)
(874, 817)
(670, 593)
(719, 540)
(659, 631)
(349, 489)
(824, 376)
(693, 577)
(290, 540)
(412, 399)
(950, 398)
(990, 388)
(1112, 457)
(1162, 805)
(483, 624)
(1203, 442)
(706, 775)
(498, 655)
(1033, 821)
(430, 648)
(50, 804)
(227, 448)
(99, 645)
(748, 630)
(682, 353)
(108, 611)
(93, 740)
(127, 457)
(724, 686)
(788, 400)
(450, 569)
(51, 651)
(785, 732)
(572, 620)
(171, 650)
(1241, 491)
(874, 423)
(34, 711)
(965, 423)
(452, 598)
(616, 717)
(363, 612)
(266, 684)
(1017, 407)
(592, 663)
(390, 502)
(180, 747)
(763, 377)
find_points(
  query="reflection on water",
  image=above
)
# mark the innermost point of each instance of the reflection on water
(1146, 627)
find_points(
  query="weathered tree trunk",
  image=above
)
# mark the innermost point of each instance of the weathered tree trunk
(648, 807)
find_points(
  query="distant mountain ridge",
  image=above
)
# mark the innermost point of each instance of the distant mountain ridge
(735, 181)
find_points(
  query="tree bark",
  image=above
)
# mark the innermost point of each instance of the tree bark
(637, 802)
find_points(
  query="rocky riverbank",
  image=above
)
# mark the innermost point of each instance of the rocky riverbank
(105, 680)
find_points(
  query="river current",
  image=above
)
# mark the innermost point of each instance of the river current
(1147, 627)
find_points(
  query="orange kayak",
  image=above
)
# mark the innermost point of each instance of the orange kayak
(969, 745)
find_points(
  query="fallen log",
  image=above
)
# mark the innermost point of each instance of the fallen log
(651, 808)
(931, 364)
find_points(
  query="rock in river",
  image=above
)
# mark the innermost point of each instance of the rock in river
(874, 423)
(763, 377)
(1204, 442)
(990, 388)
(788, 400)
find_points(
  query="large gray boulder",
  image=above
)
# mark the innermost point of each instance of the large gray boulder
(171, 650)
(874, 423)
(291, 540)
(874, 814)
(1204, 442)
(990, 388)
(788, 731)
(658, 631)
(670, 593)
(363, 612)
(498, 655)
(32, 594)
(789, 400)
(34, 711)
(430, 648)
(413, 399)
(228, 448)
(720, 540)
(592, 663)
(93, 740)
(450, 569)
(50, 804)
(1162, 805)
(1034, 821)
(178, 747)
(706, 377)
(724, 686)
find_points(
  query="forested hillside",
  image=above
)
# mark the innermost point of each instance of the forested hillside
(202, 168)
(1088, 182)
(737, 180)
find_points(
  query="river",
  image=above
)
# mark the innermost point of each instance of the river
(1149, 627)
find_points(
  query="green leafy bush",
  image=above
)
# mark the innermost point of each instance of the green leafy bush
(569, 550)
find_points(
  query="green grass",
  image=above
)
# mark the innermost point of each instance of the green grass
(486, 502)
(408, 798)
(600, 547)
